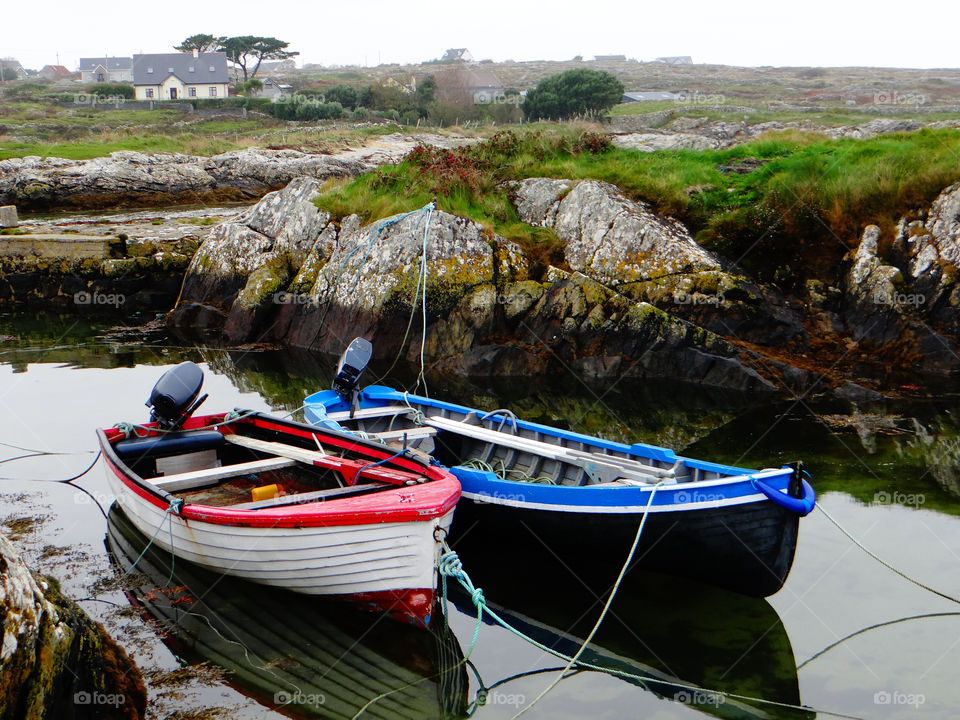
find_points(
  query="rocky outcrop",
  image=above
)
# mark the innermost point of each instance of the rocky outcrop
(373, 282)
(56, 662)
(244, 264)
(284, 271)
(872, 293)
(133, 178)
(653, 142)
(622, 243)
(578, 325)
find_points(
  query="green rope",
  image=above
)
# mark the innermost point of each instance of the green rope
(174, 507)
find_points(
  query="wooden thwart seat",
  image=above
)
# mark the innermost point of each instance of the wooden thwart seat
(604, 467)
(409, 433)
(211, 476)
(365, 413)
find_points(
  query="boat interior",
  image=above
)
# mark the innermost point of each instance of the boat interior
(498, 442)
(250, 468)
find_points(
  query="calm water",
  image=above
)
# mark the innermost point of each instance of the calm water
(890, 475)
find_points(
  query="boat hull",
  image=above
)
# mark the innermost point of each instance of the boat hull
(748, 548)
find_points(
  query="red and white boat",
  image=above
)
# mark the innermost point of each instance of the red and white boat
(281, 503)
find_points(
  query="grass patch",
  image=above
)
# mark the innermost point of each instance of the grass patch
(788, 205)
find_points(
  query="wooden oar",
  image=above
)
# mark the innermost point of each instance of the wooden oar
(350, 469)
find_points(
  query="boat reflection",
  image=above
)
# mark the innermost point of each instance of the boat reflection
(298, 654)
(680, 640)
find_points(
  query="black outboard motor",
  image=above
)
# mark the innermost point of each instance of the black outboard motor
(175, 396)
(351, 366)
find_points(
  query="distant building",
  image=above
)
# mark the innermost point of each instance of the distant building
(273, 89)
(675, 60)
(106, 69)
(649, 96)
(54, 72)
(610, 58)
(467, 86)
(180, 76)
(457, 55)
(277, 67)
(11, 69)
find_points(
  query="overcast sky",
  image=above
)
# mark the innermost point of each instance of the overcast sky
(920, 34)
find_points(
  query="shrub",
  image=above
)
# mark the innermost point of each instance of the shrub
(112, 90)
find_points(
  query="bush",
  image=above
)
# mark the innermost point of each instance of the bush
(361, 113)
(574, 93)
(346, 95)
(112, 90)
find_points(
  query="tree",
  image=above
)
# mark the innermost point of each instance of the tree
(573, 93)
(201, 43)
(244, 49)
(251, 86)
(424, 95)
(344, 94)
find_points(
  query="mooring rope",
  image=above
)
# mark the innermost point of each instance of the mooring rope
(883, 562)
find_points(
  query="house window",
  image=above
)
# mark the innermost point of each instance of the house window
(169, 69)
(150, 70)
(149, 92)
(192, 68)
(213, 91)
(192, 92)
(99, 77)
(212, 69)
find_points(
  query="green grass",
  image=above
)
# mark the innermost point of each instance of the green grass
(797, 213)
(86, 149)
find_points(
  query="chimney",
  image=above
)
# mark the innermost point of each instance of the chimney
(196, 53)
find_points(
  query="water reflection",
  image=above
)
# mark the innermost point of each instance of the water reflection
(298, 654)
(677, 639)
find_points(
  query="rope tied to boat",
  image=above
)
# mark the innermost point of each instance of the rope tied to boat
(174, 508)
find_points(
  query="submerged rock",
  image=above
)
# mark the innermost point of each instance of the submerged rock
(57, 663)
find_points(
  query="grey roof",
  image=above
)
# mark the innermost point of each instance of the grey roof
(109, 63)
(154, 69)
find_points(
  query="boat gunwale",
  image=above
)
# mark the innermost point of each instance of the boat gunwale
(422, 502)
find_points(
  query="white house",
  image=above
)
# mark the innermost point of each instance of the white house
(273, 89)
(180, 76)
(106, 69)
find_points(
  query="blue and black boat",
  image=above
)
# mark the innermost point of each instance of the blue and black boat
(583, 498)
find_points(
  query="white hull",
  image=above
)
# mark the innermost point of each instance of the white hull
(337, 560)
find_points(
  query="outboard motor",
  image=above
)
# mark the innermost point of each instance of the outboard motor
(351, 366)
(175, 396)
